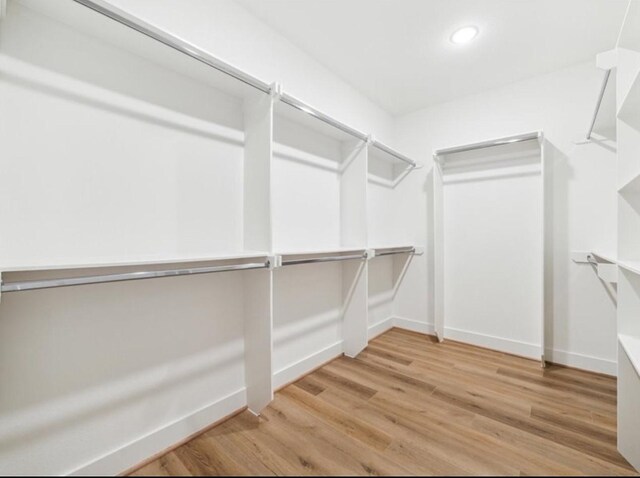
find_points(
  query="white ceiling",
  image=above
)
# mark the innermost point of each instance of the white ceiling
(398, 52)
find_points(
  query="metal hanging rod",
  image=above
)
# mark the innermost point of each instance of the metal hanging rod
(127, 276)
(395, 154)
(407, 250)
(310, 110)
(292, 262)
(487, 144)
(603, 87)
(177, 44)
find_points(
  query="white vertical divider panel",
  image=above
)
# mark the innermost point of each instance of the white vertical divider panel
(353, 194)
(353, 232)
(438, 251)
(628, 137)
(545, 251)
(258, 315)
(258, 125)
(355, 286)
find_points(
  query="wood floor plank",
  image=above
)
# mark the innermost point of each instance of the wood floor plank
(408, 405)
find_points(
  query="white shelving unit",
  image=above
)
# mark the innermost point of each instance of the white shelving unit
(207, 165)
(515, 168)
(628, 127)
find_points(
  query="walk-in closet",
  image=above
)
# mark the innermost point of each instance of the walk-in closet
(306, 237)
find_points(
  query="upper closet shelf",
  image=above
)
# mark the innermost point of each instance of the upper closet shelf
(143, 39)
(230, 263)
(631, 346)
(396, 250)
(297, 110)
(312, 257)
(150, 42)
(439, 154)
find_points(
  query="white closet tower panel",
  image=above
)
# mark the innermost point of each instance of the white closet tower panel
(490, 282)
(628, 132)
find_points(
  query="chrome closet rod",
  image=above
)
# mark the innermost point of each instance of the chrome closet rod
(395, 154)
(127, 276)
(178, 44)
(292, 262)
(409, 250)
(310, 110)
(487, 144)
(603, 87)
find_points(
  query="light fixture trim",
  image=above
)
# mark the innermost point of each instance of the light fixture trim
(464, 35)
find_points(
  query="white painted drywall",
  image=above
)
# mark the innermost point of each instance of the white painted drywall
(582, 313)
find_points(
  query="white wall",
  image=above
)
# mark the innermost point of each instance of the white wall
(581, 328)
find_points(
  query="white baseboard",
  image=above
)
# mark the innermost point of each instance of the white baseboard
(379, 328)
(515, 347)
(584, 362)
(414, 325)
(304, 366)
(560, 357)
(137, 451)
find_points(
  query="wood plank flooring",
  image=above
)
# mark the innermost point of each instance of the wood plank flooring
(410, 406)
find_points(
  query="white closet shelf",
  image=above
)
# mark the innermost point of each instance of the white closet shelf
(150, 42)
(631, 346)
(392, 155)
(102, 262)
(408, 248)
(631, 266)
(317, 252)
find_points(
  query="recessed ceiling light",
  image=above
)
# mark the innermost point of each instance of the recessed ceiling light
(464, 35)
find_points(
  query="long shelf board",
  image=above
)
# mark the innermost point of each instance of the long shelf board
(315, 252)
(127, 33)
(631, 346)
(103, 262)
